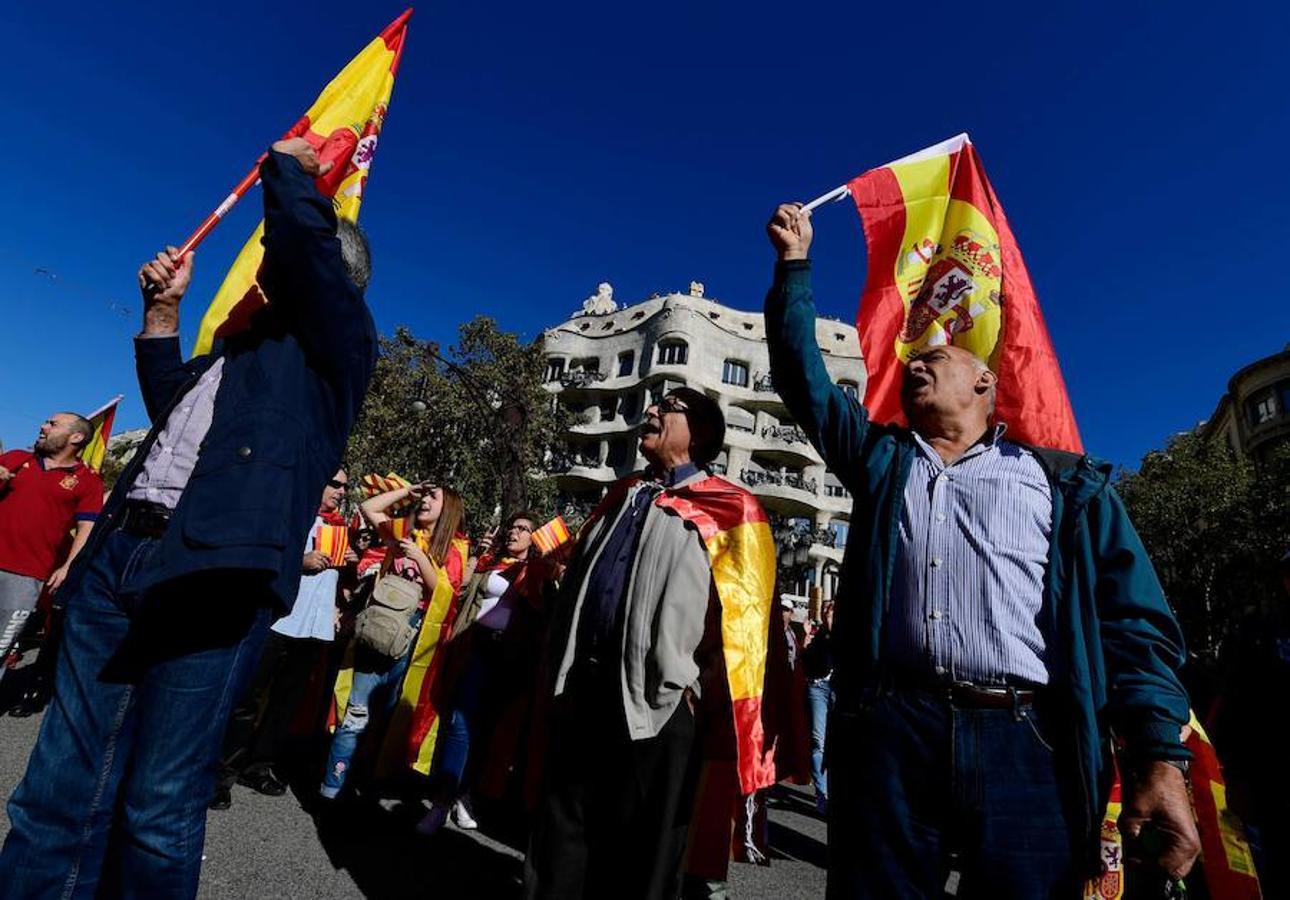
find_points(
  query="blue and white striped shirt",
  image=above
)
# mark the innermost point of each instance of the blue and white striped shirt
(971, 559)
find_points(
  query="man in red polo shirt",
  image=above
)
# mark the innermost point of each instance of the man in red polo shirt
(44, 492)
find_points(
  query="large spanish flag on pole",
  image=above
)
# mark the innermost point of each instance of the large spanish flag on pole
(944, 268)
(95, 449)
(343, 125)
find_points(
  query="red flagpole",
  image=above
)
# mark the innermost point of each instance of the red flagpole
(220, 211)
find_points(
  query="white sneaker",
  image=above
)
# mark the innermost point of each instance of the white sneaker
(432, 821)
(462, 818)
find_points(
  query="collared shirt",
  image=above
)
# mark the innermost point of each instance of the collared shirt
(38, 507)
(607, 581)
(314, 612)
(971, 559)
(170, 462)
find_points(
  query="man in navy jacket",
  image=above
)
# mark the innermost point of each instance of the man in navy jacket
(195, 554)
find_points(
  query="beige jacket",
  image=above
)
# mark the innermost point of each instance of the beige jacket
(667, 614)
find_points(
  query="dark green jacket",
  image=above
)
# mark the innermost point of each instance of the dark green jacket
(1114, 646)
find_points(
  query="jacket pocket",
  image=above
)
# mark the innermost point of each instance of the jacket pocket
(242, 489)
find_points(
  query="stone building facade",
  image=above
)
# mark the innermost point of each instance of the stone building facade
(607, 365)
(1254, 415)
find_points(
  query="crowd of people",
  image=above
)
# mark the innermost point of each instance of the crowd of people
(630, 694)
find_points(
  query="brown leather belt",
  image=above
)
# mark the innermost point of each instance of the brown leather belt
(144, 518)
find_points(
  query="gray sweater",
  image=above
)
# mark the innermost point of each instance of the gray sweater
(666, 615)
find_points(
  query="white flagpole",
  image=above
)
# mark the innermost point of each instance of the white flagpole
(836, 194)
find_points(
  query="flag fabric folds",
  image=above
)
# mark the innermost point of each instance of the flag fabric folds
(1227, 862)
(736, 533)
(95, 449)
(343, 125)
(944, 268)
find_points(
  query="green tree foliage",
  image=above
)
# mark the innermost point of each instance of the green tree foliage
(1215, 526)
(475, 418)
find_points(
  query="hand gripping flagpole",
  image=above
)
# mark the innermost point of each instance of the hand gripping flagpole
(836, 194)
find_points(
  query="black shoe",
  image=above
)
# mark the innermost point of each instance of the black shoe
(263, 782)
(31, 702)
(223, 798)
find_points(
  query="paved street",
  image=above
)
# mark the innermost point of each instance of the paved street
(270, 848)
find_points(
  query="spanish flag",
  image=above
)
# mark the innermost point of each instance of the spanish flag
(95, 449)
(944, 268)
(343, 125)
(551, 535)
(736, 533)
(1227, 863)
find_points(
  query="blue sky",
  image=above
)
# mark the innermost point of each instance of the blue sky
(534, 150)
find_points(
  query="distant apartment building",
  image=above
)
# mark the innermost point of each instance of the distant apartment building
(606, 365)
(1254, 415)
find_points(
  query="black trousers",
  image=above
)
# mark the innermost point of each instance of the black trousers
(615, 812)
(258, 727)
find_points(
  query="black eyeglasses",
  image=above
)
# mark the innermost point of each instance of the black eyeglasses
(339, 485)
(670, 405)
(518, 527)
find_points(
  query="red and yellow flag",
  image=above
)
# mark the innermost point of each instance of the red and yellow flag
(736, 533)
(944, 268)
(95, 449)
(551, 535)
(1226, 858)
(343, 125)
(1226, 863)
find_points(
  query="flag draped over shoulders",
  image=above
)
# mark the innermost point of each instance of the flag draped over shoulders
(736, 533)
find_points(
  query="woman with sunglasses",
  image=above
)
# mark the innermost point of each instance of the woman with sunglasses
(426, 547)
(488, 675)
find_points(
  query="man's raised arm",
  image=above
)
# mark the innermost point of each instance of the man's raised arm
(304, 272)
(835, 421)
(158, 362)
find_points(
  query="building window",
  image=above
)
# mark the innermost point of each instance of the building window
(1283, 390)
(607, 410)
(851, 388)
(840, 531)
(625, 362)
(590, 364)
(735, 372)
(740, 420)
(673, 353)
(554, 368)
(618, 451)
(628, 407)
(1263, 408)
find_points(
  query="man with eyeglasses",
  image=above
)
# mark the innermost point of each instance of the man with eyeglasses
(259, 725)
(636, 658)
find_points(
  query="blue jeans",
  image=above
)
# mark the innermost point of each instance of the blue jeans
(463, 720)
(129, 746)
(920, 789)
(819, 694)
(374, 676)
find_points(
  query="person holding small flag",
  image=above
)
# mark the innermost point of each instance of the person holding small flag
(998, 622)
